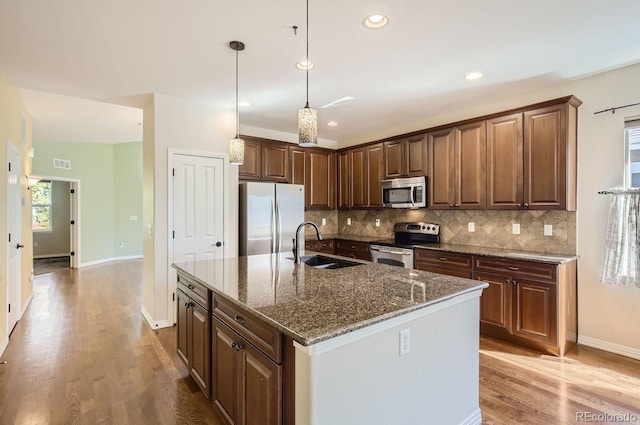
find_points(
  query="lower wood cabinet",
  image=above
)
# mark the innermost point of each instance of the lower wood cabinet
(449, 263)
(194, 343)
(353, 249)
(246, 384)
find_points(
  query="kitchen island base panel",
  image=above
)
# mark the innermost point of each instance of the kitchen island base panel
(367, 381)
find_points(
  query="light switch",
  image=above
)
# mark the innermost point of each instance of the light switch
(133, 217)
(377, 222)
(515, 228)
(548, 230)
(471, 226)
(348, 221)
(324, 221)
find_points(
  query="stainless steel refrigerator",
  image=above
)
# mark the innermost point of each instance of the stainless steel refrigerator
(269, 216)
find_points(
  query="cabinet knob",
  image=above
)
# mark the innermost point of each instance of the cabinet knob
(450, 205)
(526, 205)
(519, 205)
(236, 346)
(239, 319)
(187, 304)
(507, 281)
(514, 282)
(442, 258)
(190, 286)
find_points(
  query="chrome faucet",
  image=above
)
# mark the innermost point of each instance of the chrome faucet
(296, 255)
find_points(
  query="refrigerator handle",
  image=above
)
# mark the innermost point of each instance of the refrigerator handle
(273, 226)
(279, 226)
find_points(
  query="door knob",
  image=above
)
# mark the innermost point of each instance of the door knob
(218, 244)
(18, 246)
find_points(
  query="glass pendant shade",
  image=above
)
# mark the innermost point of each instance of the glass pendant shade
(307, 127)
(236, 151)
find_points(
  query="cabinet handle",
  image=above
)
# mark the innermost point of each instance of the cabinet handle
(442, 258)
(236, 346)
(450, 205)
(507, 281)
(187, 304)
(514, 268)
(526, 205)
(514, 282)
(239, 319)
(518, 205)
(190, 286)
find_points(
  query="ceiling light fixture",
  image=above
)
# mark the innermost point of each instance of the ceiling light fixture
(244, 103)
(332, 124)
(307, 117)
(236, 146)
(376, 21)
(473, 75)
(305, 65)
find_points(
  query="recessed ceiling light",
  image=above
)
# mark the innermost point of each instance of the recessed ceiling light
(332, 124)
(376, 21)
(473, 75)
(244, 103)
(304, 65)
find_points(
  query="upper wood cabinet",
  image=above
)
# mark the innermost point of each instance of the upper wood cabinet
(359, 176)
(532, 158)
(458, 167)
(315, 168)
(406, 157)
(264, 160)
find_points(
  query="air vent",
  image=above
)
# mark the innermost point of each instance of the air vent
(62, 163)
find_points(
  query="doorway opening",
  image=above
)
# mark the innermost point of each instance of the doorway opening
(55, 224)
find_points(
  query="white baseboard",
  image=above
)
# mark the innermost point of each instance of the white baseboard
(3, 345)
(108, 260)
(623, 350)
(26, 305)
(64, 254)
(474, 419)
(152, 323)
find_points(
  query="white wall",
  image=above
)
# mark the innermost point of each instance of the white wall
(176, 123)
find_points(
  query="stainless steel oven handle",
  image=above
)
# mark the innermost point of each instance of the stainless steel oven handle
(388, 251)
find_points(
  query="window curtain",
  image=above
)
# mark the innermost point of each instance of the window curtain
(622, 262)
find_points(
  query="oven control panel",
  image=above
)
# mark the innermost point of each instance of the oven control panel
(417, 227)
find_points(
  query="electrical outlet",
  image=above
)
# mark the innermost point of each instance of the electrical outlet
(548, 230)
(324, 221)
(35, 244)
(515, 228)
(348, 221)
(121, 244)
(472, 226)
(405, 342)
(377, 222)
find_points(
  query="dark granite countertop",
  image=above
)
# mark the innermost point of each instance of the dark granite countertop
(507, 253)
(312, 305)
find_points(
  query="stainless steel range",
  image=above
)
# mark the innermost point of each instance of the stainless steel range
(399, 250)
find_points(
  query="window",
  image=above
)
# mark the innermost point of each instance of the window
(41, 206)
(632, 144)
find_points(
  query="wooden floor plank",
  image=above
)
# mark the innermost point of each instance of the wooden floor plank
(82, 354)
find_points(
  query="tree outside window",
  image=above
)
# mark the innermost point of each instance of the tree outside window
(41, 206)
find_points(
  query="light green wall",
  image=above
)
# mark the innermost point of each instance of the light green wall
(127, 203)
(106, 193)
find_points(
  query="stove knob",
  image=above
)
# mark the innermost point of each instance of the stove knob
(422, 227)
(428, 227)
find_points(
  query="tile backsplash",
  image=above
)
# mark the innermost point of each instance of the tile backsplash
(492, 228)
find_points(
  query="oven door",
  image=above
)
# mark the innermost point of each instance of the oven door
(401, 257)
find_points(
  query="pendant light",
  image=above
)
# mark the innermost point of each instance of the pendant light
(236, 146)
(307, 117)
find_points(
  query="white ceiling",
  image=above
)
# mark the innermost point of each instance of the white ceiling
(414, 67)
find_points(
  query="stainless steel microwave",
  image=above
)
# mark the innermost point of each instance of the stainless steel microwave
(405, 193)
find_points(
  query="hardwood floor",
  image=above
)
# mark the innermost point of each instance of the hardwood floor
(82, 354)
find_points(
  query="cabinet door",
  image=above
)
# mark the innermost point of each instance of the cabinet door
(275, 162)
(504, 162)
(495, 302)
(374, 168)
(297, 168)
(394, 159)
(200, 345)
(416, 156)
(250, 169)
(344, 184)
(471, 163)
(262, 388)
(357, 178)
(545, 157)
(536, 314)
(226, 368)
(182, 330)
(441, 166)
(320, 180)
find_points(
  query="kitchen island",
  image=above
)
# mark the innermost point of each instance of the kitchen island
(342, 329)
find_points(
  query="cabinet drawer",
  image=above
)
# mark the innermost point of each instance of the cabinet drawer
(198, 292)
(517, 268)
(320, 246)
(443, 258)
(262, 336)
(346, 245)
(449, 271)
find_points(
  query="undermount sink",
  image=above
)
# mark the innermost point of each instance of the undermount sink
(322, 262)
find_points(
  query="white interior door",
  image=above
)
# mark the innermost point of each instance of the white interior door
(14, 257)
